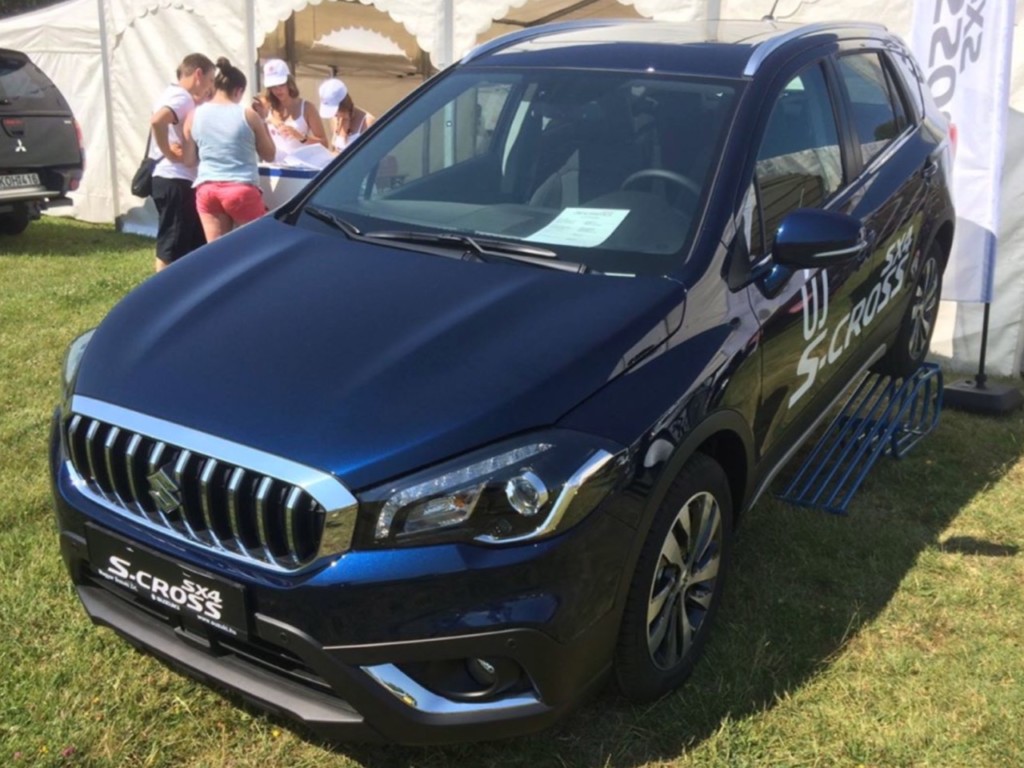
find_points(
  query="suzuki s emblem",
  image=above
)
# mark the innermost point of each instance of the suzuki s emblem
(165, 492)
(21, 147)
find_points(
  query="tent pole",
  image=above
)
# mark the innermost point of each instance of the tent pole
(289, 42)
(447, 53)
(108, 103)
(251, 54)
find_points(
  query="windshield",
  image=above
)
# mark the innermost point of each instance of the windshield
(607, 169)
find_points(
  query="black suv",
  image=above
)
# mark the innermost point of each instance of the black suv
(465, 429)
(41, 157)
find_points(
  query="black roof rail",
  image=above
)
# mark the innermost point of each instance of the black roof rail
(769, 46)
(533, 32)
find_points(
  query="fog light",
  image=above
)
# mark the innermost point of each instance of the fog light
(526, 493)
(494, 676)
(482, 671)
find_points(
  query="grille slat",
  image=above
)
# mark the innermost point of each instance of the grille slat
(234, 503)
(73, 440)
(90, 453)
(206, 480)
(130, 454)
(180, 475)
(290, 507)
(246, 512)
(262, 523)
(110, 460)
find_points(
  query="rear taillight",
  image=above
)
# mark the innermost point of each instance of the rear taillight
(954, 136)
(14, 126)
(76, 178)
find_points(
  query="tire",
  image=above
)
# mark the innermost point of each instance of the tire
(15, 222)
(914, 336)
(668, 611)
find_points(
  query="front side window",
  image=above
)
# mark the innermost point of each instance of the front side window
(799, 164)
(604, 169)
(875, 111)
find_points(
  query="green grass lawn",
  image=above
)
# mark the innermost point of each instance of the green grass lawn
(892, 636)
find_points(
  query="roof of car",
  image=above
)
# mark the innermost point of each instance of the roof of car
(715, 47)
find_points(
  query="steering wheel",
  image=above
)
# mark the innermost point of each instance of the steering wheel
(683, 182)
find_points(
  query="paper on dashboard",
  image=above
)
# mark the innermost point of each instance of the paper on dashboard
(582, 227)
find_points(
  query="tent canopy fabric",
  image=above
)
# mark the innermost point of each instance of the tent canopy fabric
(111, 57)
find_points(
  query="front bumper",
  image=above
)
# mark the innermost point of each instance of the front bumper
(548, 609)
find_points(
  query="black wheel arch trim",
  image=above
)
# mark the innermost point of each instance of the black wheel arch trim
(721, 422)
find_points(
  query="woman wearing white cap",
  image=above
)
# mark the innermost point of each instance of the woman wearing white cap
(348, 120)
(292, 120)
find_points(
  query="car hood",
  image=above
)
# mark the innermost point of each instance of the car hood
(365, 360)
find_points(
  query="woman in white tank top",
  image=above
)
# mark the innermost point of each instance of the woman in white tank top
(292, 120)
(347, 120)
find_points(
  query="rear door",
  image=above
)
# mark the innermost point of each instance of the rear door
(889, 193)
(37, 130)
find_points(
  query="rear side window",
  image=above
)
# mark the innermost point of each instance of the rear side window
(875, 108)
(24, 87)
(912, 79)
(799, 164)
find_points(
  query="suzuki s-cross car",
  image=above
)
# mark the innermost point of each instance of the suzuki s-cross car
(464, 430)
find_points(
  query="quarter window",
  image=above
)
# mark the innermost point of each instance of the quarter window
(873, 105)
(799, 164)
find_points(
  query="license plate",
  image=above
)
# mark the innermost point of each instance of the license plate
(18, 180)
(178, 588)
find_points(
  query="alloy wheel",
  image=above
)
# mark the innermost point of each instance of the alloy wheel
(684, 580)
(924, 309)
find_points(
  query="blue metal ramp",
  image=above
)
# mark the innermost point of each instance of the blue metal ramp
(883, 416)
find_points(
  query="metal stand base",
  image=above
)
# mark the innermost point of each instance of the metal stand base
(993, 399)
(884, 416)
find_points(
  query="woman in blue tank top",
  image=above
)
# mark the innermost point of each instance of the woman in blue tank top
(225, 138)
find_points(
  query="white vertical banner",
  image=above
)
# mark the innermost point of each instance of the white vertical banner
(964, 47)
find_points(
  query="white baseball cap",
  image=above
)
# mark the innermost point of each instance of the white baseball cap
(332, 93)
(275, 72)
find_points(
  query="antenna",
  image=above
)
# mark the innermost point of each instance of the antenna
(771, 13)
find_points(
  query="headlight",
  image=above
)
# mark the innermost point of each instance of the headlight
(73, 358)
(514, 491)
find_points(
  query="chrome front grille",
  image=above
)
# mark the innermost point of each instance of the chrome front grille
(232, 499)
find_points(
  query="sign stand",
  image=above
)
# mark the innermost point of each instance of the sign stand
(977, 395)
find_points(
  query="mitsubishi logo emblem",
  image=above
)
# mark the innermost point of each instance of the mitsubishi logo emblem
(21, 147)
(165, 492)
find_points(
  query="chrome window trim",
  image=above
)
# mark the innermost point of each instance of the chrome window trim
(771, 45)
(339, 504)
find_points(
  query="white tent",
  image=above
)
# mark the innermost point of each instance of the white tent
(110, 58)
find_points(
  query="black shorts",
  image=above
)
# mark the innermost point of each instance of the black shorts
(180, 231)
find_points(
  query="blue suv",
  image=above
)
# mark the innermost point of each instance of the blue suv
(464, 430)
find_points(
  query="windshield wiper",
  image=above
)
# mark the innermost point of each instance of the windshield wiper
(322, 214)
(527, 254)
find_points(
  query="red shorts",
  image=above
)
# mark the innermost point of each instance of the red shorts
(242, 202)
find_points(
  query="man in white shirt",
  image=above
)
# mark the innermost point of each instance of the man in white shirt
(179, 231)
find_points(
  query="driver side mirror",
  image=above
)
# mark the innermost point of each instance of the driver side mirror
(809, 237)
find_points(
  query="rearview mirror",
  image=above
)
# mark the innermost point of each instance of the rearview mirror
(809, 237)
